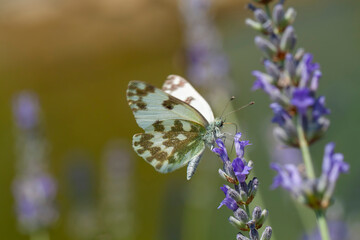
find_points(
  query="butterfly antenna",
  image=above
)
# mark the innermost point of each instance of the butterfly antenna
(227, 104)
(247, 105)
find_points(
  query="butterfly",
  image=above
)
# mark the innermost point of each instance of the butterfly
(177, 121)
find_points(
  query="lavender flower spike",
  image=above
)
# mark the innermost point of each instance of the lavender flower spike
(238, 199)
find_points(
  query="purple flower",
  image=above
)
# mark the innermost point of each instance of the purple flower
(26, 110)
(288, 177)
(280, 115)
(314, 84)
(240, 145)
(302, 99)
(34, 197)
(264, 82)
(307, 70)
(228, 201)
(319, 108)
(333, 163)
(221, 151)
(240, 169)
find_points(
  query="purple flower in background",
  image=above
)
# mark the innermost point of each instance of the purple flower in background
(314, 192)
(35, 201)
(302, 99)
(26, 110)
(34, 189)
(307, 69)
(319, 108)
(288, 177)
(208, 64)
(291, 78)
(280, 115)
(333, 163)
(264, 82)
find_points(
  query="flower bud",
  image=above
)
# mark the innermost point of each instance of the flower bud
(227, 177)
(314, 84)
(234, 195)
(254, 235)
(290, 16)
(288, 39)
(238, 224)
(290, 67)
(253, 24)
(266, 235)
(262, 218)
(272, 69)
(239, 236)
(260, 15)
(243, 196)
(278, 15)
(241, 215)
(299, 54)
(268, 49)
(256, 214)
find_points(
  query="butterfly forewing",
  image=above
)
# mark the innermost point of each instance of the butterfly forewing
(170, 144)
(150, 104)
(182, 89)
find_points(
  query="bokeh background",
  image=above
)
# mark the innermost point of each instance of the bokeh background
(78, 57)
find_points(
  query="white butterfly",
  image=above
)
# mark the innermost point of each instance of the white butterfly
(178, 124)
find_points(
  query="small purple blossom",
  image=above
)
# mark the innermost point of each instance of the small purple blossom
(264, 82)
(333, 163)
(280, 115)
(237, 166)
(288, 177)
(26, 110)
(302, 99)
(34, 197)
(240, 169)
(319, 108)
(240, 145)
(230, 203)
(221, 151)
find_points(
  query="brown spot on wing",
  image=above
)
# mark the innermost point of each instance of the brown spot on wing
(189, 99)
(158, 126)
(170, 84)
(134, 90)
(169, 104)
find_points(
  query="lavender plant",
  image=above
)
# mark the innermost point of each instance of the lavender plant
(34, 188)
(239, 198)
(291, 79)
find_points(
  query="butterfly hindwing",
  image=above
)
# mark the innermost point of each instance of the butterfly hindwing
(150, 104)
(182, 89)
(170, 144)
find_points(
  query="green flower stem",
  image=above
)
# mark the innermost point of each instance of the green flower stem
(305, 150)
(323, 227)
(247, 209)
(267, 9)
(40, 235)
(320, 216)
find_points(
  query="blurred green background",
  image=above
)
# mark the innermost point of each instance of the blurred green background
(79, 57)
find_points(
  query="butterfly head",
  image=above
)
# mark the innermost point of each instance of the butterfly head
(219, 122)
